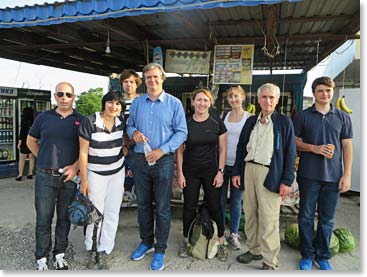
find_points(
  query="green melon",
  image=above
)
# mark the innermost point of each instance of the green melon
(291, 235)
(334, 245)
(347, 241)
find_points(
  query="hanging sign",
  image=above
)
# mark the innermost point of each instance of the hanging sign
(233, 64)
(191, 62)
(157, 55)
(6, 91)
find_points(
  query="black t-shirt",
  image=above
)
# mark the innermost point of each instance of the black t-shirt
(58, 139)
(201, 146)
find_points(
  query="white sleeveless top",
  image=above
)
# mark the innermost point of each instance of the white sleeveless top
(233, 134)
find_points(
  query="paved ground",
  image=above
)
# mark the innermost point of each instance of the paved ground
(17, 238)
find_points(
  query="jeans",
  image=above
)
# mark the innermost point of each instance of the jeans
(235, 200)
(154, 184)
(51, 191)
(325, 196)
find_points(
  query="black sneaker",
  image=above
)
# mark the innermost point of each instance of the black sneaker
(92, 259)
(248, 257)
(184, 250)
(103, 261)
(60, 263)
(222, 254)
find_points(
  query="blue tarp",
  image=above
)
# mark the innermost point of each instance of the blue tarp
(84, 10)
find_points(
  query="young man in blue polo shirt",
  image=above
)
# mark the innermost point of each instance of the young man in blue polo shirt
(53, 139)
(324, 141)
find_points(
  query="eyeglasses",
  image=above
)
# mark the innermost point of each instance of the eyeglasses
(61, 94)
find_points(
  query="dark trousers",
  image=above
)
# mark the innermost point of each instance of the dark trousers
(51, 192)
(212, 197)
(325, 196)
(154, 184)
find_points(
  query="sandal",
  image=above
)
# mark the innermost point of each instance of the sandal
(19, 178)
(30, 176)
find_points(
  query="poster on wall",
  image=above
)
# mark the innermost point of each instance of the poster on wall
(233, 64)
(191, 62)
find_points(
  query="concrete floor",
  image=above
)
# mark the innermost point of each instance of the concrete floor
(17, 238)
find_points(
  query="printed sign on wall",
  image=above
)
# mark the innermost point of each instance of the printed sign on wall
(233, 64)
(178, 61)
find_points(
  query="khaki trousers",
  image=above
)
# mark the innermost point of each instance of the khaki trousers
(262, 208)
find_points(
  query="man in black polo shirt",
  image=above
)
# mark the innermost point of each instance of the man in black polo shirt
(323, 139)
(53, 139)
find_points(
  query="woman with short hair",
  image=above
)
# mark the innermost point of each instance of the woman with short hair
(102, 175)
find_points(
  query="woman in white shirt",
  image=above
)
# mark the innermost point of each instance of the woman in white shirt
(234, 121)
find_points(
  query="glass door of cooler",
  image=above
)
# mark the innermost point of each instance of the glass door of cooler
(23, 103)
(42, 106)
(7, 129)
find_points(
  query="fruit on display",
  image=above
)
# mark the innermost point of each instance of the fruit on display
(334, 245)
(291, 235)
(347, 241)
(341, 105)
(251, 108)
(342, 240)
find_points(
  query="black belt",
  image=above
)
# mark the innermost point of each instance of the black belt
(168, 154)
(253, 162)
(53, 172)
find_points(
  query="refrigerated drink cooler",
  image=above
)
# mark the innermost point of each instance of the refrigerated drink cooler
(12, 103)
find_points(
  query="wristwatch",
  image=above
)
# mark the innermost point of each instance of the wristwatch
(221, 170)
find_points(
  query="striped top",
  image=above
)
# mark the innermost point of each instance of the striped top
(127, 106)
(105, 156)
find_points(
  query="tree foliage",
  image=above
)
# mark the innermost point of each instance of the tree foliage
(89, 102)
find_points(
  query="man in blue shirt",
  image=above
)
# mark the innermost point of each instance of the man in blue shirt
(158, 118)
(53, 139)
(323, 139)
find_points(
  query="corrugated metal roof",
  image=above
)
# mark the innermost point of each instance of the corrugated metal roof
(306, 31)
(73, 11)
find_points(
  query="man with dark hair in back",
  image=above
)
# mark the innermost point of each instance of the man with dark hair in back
(130, 81)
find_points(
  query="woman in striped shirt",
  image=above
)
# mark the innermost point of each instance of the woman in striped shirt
(102, 175)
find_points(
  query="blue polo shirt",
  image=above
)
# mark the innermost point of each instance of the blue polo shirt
(315, 128)
(58, 139)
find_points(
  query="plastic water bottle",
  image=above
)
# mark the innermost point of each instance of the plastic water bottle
(147, 150)
(76, 178)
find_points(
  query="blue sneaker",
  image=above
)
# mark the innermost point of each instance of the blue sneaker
(157, 262)
(323, 264)
(140, 252)
(305, 264)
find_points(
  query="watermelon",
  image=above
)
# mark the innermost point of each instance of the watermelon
(334, 245)
(291, 235)
(347, 241)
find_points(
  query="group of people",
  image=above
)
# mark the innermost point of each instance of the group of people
(251, 155)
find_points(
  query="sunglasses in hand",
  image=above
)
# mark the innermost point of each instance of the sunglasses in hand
(61, 94)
